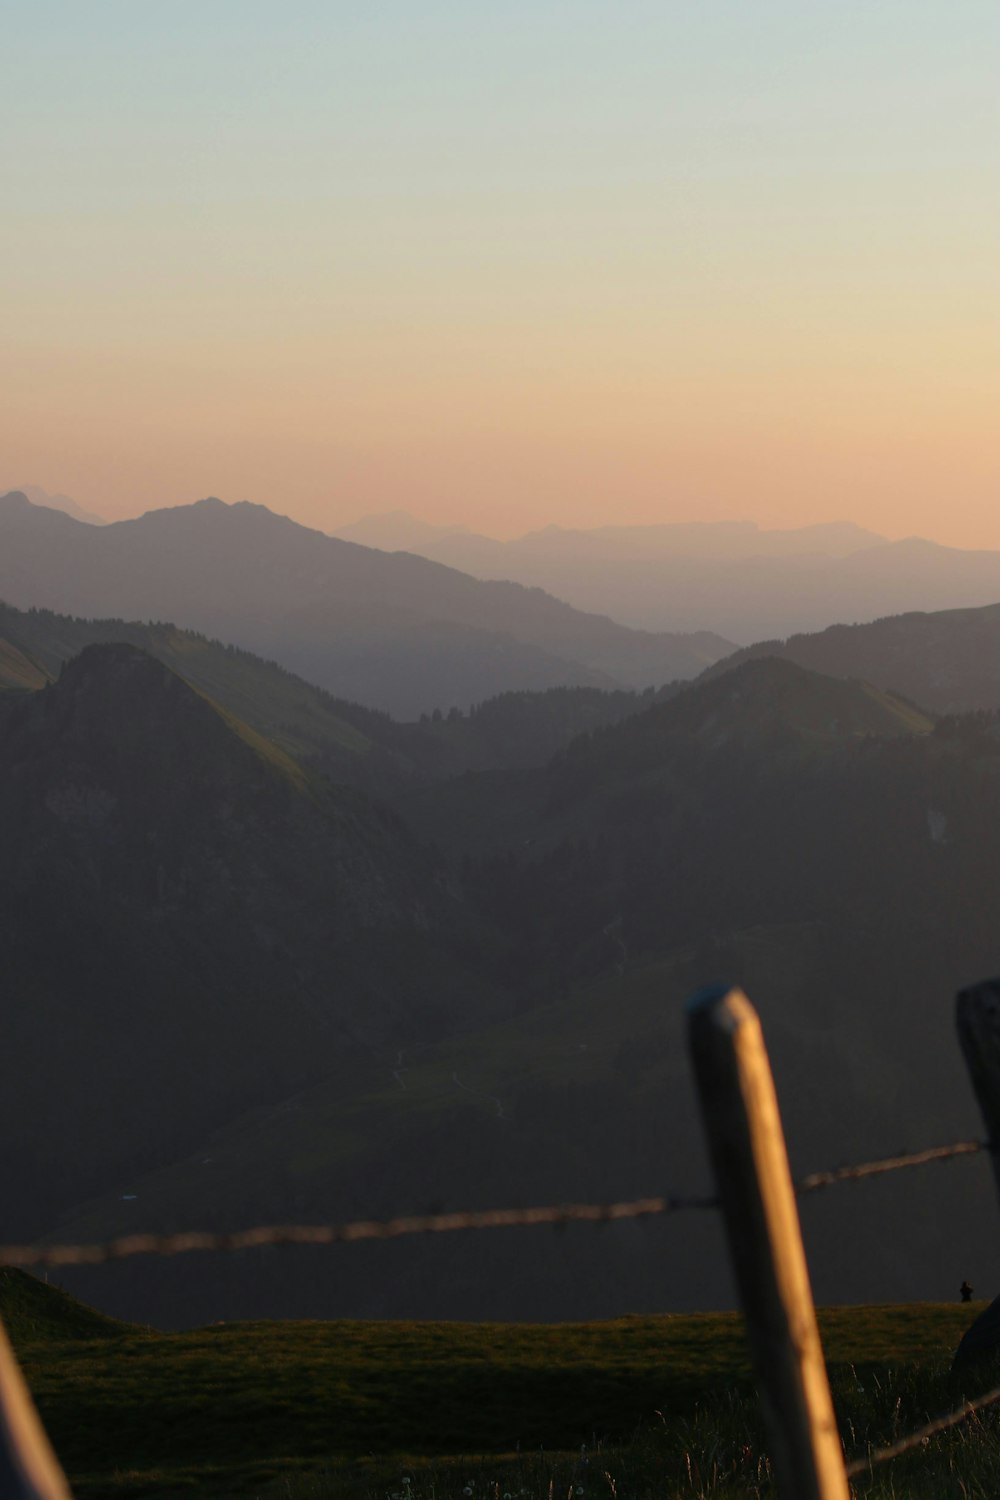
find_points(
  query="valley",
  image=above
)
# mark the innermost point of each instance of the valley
(442, 964)
(499, 701)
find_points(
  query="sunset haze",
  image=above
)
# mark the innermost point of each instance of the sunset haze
(540, 264)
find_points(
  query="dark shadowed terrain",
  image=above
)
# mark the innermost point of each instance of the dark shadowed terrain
(251, 987)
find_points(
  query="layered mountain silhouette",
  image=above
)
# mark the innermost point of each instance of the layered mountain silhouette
(270, 954)
(948, 661)
(821, 841)
(347, 741)
(750, 584)
(65, 503)
(392, 631)
(398, 531)
(350, 743)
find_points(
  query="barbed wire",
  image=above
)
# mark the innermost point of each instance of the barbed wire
(359, 1229)
(555, 1215)
(922, 1435)
(817, 1180)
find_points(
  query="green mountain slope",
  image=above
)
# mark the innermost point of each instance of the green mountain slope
(947, 661)
(33, 1312)
(769, 708)
(301, 718)
(192, 924)
(773, 696)
(349, 742)
(19, 673)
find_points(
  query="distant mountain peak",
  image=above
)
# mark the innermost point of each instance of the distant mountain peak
(41, 498)
(397, 531)
(395, 631)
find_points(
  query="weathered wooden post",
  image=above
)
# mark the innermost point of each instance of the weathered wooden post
(29, 1469)
(977, 1016)
(747, 1147)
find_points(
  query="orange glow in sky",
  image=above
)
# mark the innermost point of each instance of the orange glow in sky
(572, 263)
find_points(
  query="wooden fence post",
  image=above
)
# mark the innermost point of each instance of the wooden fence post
(747, 1146)
(29, 1470)
(977, 1016)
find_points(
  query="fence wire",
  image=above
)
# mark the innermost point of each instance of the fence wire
(817, 1180)
(555, 1215)
(922, 1435)
(359, 1229)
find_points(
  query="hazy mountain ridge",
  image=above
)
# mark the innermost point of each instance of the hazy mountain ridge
(948, 661)
(749, 584)
(65, 503)
(399, 531)
(309, 723)
(393, 631)
(361, 746)
(818, 838)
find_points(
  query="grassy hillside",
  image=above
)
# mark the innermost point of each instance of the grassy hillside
(352, 743)
(32, 1312)
(304, 720)
(765, 709)
(947, 660)
(18, 673)
(331, 1408)
(744, 704)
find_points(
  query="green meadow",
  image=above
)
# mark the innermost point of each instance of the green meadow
(658, 1406)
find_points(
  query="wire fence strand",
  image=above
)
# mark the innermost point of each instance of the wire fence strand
(922, 1435)
(817, 1180)
(556, 1215)
(359, 1229)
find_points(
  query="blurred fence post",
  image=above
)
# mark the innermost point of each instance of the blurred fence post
(29, 1470)
(747, 1146)
(977, 1016)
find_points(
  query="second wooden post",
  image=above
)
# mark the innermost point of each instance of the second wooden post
(747, 1147)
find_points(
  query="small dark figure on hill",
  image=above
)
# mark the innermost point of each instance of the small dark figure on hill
(965, 1291)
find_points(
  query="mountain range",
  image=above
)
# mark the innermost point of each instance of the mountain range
(395, 632)
(65, 503)
(747, 583)
(474, 995)
(272, 954)
(948, 660)
(346, 741)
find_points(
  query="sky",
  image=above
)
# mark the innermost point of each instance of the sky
(506, 265)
